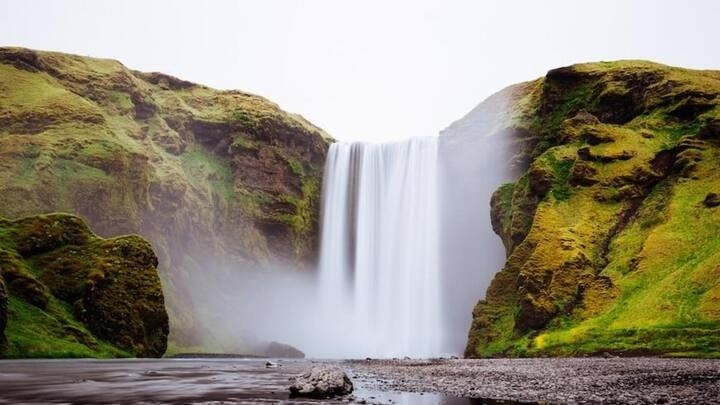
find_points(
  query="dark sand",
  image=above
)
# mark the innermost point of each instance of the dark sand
(447, 382)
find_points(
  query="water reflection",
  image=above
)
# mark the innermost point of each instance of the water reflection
(186, 381)
(414, 398)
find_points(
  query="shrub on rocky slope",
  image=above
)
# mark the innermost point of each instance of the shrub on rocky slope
(65, 292)
(213, 179)
(611, 233)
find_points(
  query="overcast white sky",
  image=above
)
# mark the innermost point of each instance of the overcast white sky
(368, 70)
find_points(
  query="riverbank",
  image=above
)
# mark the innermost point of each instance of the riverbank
(396, 382)
(553, 380)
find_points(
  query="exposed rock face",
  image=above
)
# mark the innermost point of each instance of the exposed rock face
(321, 382)
(610, 245)
(712, 200)
(72, 293)
(213, 179)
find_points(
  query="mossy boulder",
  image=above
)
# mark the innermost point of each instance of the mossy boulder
(101, 297)
(611, 246)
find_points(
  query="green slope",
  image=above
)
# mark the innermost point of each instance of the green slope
(611, 234)
(215, 179)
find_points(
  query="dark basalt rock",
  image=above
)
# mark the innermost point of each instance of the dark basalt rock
(583, 174)
(695, 104)
(712, 200)
(540, 180)
(710, 131)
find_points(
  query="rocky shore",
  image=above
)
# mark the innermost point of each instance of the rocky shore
(550, 380)
(395, 382)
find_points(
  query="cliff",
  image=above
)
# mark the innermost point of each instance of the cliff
(612, 228)
(217, 181)
(64, 292)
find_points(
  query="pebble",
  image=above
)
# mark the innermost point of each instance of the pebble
(560, 380)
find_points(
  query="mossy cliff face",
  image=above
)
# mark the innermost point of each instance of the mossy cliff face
(612, 233)
(214, 179)
(65, 292)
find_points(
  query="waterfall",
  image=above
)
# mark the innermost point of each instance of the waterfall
(379, 282)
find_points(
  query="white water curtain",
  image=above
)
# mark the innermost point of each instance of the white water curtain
(379, 284)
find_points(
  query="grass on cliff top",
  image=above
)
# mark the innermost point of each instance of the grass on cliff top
(704, 78)
(30, 99)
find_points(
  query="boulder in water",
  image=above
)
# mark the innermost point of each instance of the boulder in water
(321, 382)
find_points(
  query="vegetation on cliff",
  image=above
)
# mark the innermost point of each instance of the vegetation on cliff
(213, 179)
(612, 232)
(65, 292)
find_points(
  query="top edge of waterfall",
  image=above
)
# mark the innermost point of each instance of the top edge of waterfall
(392, 141)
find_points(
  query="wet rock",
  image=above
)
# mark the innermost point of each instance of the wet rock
(712, 200)
(321, 382)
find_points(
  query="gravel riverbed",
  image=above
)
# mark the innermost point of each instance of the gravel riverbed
(551, 380)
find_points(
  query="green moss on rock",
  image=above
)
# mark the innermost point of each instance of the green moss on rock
(222, 178)
(611, 245)
(73, 294)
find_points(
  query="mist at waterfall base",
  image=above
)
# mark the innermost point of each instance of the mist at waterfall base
(407, 245)
(407, 250)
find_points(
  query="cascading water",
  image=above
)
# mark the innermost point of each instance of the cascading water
(379, 259)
